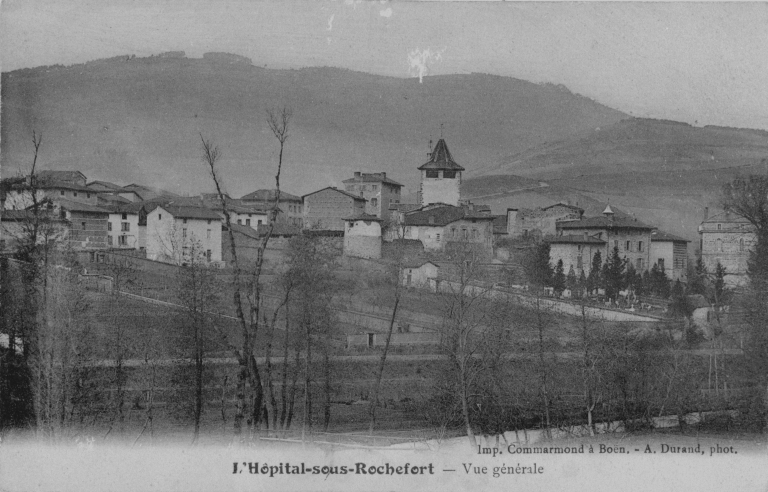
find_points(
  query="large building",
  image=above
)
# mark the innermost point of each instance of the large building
(630, 236)
(439, 225)
(326, 209)
(728, 239)
(539, 222)
(378, 190)
(440, 177)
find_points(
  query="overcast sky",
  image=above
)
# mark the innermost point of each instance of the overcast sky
(694, 62)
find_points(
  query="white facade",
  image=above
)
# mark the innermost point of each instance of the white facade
(362, 238)
(440, 189)
(175, 239)
(123, 231)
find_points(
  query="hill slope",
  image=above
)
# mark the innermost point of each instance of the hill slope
(139, 119)
(663, 172)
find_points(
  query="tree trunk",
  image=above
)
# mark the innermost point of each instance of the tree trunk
(379, 373)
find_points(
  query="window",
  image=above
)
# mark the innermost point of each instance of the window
(82, 224)
(639, 265)
(660, 263)
(126, 227)
(437, 236)
(628, 246)
(247, 222)
(209, 221)
(185, 221)
(74, 193)
(431, 173)
(719, 244)
(375, 202)
(640, 246)
(159, 216)
(88, 195)
(579, 262)
(616, 243)
(239, 221)
(184, 232)
(61, 192)
(122, 240)
(208, 234)
(109, 226)
(453, 232)
(718, 227)
(208, 254)
(741, 244)
(125, 216)
(109, 241)
(374, 187)
(449, 174)
(474, 234)
(465, 233)
(258, 222)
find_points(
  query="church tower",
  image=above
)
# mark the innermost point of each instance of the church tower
(440, 177)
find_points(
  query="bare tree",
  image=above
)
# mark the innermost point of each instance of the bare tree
(250, 405)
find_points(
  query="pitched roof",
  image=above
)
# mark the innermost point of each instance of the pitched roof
(665, 236)
(47, 184)
(575, 239)
(404, 207)
(244, 230)
(190, 212)
(74, 206)
(69, 176)
(442, 215)
(372, 178)
(725, 217)
(358, 198)
(269, 196)
(417, 263)
(103, 186)
(602, 222)
(441, 158)
(364, 216)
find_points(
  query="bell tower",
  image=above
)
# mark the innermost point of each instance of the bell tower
(440, 177)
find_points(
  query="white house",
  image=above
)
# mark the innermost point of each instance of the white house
(362, 236)
(419, 274)
(176, 234)
(123, 228)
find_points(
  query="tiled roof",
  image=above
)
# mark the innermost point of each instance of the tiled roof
(14, 215)
(372, 178)
(417, 263)
(442, 215)
(602, 222)
(358, 198)
(441, 158)
(103, 185)
(269, 196)
(575, 239)
(69, 176)
(189, 212)
(46, 184)
(665, 236)
(74, 206)
(365, 217)
(404, 207)
(244, 230)
(726, 217)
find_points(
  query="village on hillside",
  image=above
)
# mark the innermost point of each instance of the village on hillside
(356, 300)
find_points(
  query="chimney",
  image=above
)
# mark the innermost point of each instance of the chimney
(383, 175)
(357, 174)
(706, 213)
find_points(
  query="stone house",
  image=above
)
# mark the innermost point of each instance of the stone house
(327, 208)
(728, 239)
(438, 225)
(670, 253)
(540, 222)
(87, 224)
(630, 236)
(176, 233)
(378, 190)
(419, 274)
(362, 236)
(291, 206)
(576, 251)
(440, 177)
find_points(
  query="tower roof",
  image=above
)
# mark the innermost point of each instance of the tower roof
(608, 210)
(441, 158)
